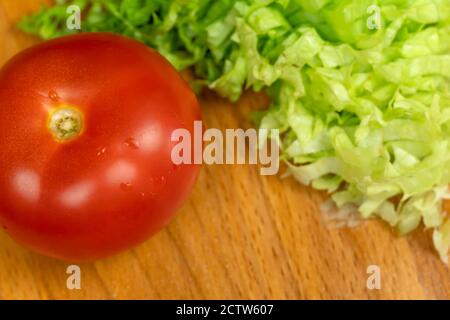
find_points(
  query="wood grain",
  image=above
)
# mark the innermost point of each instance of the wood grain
(239, 236)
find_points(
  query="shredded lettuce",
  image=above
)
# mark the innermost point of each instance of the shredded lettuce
(360, 89)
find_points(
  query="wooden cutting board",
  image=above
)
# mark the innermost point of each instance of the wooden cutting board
(239, 236)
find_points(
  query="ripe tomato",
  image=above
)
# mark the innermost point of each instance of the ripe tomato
(85, 147)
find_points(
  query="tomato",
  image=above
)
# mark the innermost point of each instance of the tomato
(85, 145)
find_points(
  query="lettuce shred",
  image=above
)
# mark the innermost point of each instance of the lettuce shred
(360, 89)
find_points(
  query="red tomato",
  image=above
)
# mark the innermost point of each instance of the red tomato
(85, 147)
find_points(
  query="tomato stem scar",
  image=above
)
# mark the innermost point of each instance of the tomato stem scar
(65, 123)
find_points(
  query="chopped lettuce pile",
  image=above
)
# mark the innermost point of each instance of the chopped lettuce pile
(360, 89)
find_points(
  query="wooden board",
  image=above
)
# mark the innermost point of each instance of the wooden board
(240, 235)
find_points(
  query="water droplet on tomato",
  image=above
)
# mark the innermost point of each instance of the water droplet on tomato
(161, 180)
(156, 185)
(132, 143)
(53, 95)
(101, 151)
(126, 186)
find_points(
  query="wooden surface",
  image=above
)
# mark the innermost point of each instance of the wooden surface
(240, 235)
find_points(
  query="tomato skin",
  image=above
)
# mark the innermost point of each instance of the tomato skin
(114, 185)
